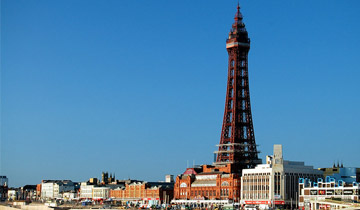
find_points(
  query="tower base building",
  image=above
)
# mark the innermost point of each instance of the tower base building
(207, 185)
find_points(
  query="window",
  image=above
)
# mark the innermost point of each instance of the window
(183, 184)
(225, 183)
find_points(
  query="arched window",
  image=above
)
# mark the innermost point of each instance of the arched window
(232, 63)
(225, 183)
(183, 184)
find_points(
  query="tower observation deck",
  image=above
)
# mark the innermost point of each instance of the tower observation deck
(237, 142)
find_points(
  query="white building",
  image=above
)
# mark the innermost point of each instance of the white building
(12, 194)
(276, 182)
(328, 193)
(52, 189)
(47, 190)
(101, 193)
(61, 187)
(86, 190)
(69, 195)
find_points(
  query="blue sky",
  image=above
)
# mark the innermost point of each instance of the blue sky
(138, 87)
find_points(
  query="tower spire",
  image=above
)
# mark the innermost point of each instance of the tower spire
(238, 14)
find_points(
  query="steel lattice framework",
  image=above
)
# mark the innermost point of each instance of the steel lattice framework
(237, 143)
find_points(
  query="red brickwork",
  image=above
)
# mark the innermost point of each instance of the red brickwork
(227, 185)
(141, 191)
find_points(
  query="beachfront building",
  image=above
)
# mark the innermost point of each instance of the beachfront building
(276, 182)
(207, 183)
(100, 192)
(52, 189)
(86, 191)
(328, 193)
(143, 193)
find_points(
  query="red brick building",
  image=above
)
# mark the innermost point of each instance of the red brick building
(38, 191)
(208, 182)
(144, 192)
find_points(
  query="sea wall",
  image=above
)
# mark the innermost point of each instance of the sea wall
(26, 207)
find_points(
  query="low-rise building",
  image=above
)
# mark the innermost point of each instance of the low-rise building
(4, 183)
(28, 192)
(13, 194)
(327, 193)
(3, 193)
(38, 191)
(86, 190)
(143, 193)
(101, 193)
(69, 195)
(52, 189)
(206, 185)
(276, 182)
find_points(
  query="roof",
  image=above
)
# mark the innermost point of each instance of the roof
(204, 183)
(211, 173)
(169, 185)
(192, 171)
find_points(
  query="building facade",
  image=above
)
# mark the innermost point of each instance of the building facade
(144, 193)
(328, 193)
(86, 190)
(100, 193)
(52, 189)
(13, 194)
(207, 182)
(276, 182)
(4, 183)
(38, 191)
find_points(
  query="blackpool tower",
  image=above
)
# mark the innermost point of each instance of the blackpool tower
(237, 142)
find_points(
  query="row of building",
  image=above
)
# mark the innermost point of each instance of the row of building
(328, 193)
(277, 183)
(108, 189)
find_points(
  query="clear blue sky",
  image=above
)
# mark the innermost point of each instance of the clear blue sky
(138, 87)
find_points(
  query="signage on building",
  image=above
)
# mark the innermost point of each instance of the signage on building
(313, 192)
(257, 202)
(348, 192)
(330, 192)
(277, 202)
(149, 199)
